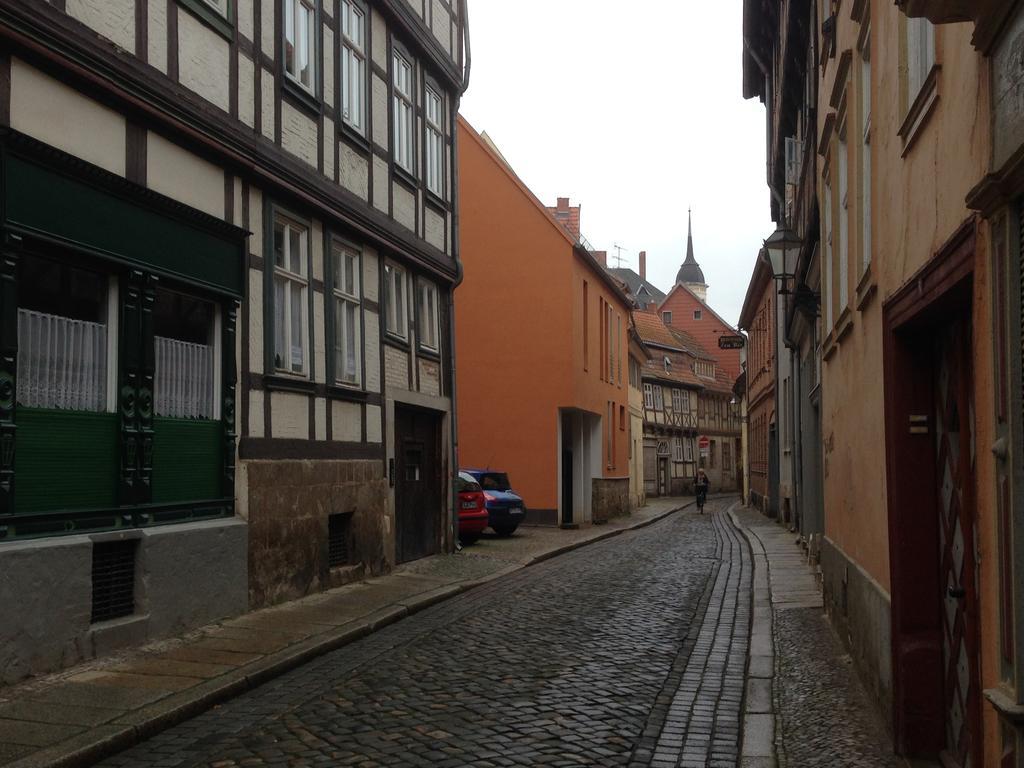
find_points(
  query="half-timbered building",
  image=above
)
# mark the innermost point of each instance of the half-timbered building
(229, 248)
(670, 397)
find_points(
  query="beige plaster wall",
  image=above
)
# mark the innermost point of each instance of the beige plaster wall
(113, 19)
(918, 203)
(178, 173)
(57, 115)
(203, 58)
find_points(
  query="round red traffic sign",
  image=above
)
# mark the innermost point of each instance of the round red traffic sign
(703, 442)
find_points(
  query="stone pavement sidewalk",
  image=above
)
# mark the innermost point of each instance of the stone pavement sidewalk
(80, 715)
(805, 705)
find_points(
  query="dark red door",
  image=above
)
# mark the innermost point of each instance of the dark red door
(419, 510)
(954, 433)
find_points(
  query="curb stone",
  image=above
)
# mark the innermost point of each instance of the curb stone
(761, 731)
(133, 727)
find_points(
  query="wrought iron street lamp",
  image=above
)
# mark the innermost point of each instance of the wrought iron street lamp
(783, 249)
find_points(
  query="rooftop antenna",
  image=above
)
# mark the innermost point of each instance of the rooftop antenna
(618, 255)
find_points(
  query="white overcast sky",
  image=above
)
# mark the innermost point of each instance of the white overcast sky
(634, 110)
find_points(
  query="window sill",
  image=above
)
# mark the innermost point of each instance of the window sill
(428, 353)
(844, 325)
(436, 201)
(396, 341)
(351, 394)
(406, 178)
(210, 18)
(866, 289)
(353, 138)
(920, 110)
(283, 383)
(302, 98)
(828, 347)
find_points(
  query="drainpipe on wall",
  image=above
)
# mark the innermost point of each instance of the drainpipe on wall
(454, 420)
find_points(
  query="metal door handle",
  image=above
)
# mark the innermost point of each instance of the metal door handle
(958, 592)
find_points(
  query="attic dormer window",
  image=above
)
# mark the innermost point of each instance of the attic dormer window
(668, 364)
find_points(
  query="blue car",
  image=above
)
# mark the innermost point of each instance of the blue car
(505, 508)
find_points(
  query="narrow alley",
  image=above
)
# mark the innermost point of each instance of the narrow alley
(632, 651)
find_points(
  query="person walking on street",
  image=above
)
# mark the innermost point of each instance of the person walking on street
(700, 486)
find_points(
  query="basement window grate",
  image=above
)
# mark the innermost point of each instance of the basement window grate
(338, 527)
(113, 580)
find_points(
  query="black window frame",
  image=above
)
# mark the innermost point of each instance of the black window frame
(311, 102)
(271, 375)
(407, 175)
(360, 140)
(330, 240)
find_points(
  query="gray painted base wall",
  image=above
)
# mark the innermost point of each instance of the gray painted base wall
(185, 576)
(861, 613)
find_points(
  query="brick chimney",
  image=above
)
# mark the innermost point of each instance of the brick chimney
(602, 257)
(567, 215)
(643, 265)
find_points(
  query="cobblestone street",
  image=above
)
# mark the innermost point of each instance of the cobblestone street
(632, 652)
(564, 663)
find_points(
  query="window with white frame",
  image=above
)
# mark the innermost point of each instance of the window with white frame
(185, 343)
(688, 449)
(677, 449)
(697, 314)
(844, 219)
(659, 404)
(402, 118)
(67, 337)
(865, 154)
(346, 294)
(826, 239)
(648, 396)
(428, 317)
(666, 318)
(300, 42)
(395, 301)
(291, 296)
(353, 65)
(435, 142)
(677, 401)
(920, 41)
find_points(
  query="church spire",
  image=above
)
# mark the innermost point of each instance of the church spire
(690, 274)
(689, 238)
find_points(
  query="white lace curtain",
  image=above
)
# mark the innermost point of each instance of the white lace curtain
(184, 379)
(62, 363)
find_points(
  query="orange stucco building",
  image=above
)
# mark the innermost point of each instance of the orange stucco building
(542, 350)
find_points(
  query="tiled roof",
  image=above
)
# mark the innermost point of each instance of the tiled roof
(652, 330)
(691, 345)
(680, 372)
(632, 279)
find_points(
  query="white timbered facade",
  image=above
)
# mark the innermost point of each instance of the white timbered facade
(238, 216)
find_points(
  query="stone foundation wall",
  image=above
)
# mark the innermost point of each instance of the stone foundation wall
(610, 499)
(289, 503)
(861, 613)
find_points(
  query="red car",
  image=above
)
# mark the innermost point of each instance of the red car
(473, 515)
